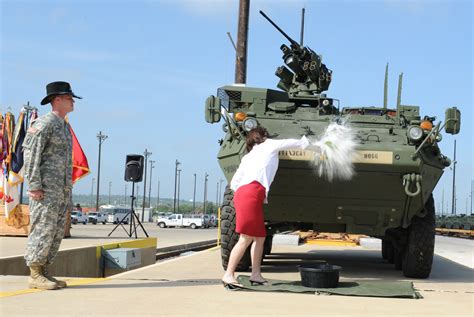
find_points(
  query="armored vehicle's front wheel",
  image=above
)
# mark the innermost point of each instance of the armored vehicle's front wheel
(228, 235)
(419, 252)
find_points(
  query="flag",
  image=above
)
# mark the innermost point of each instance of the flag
(11, 138)
(80, 167)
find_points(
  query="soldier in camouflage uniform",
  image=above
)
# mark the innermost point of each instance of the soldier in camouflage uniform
(48, 170)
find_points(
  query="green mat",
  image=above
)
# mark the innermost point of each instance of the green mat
(395, 289)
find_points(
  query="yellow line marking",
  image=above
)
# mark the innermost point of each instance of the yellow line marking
(141, 243)
(334, 243)
(70, 283)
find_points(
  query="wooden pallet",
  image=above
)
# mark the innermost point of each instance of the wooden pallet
(19, 224)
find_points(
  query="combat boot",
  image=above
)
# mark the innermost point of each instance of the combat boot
(61, 284)
(38, 280)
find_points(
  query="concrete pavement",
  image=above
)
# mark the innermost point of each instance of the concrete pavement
(190, 285)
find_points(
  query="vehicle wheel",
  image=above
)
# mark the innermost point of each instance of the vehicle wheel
(84, 222)
(193, 226)
(390, 252)
(161, 225)
(384, 249)
(421, 239)
(267, 245)
(103, 222)
(397, 259)
(228, 235)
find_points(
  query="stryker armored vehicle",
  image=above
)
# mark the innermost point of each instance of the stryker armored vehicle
(397, 167)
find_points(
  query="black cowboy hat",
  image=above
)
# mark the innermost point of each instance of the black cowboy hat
(57, 88)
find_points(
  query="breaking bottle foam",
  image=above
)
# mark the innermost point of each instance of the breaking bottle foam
(335, 151)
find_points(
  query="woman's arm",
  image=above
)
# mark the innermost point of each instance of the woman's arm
(283, 144)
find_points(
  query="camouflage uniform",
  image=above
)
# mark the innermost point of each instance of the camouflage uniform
(48, 167)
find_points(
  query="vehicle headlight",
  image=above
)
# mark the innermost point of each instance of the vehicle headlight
(415, 133)
(249, 124)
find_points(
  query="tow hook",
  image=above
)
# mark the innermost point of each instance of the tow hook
(408, 180)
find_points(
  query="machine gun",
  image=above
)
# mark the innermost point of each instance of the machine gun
(307, 75)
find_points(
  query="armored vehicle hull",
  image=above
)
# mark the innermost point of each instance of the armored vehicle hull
(398, 163)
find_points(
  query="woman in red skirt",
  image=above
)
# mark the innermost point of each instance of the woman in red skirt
(251, 184)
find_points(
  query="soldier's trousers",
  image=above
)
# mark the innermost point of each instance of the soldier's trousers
(48, 220)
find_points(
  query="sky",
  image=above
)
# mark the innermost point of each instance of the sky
(144, 69)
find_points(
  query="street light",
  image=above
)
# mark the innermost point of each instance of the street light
(205, 190)
(125, 196)
(220, 191)
(158, 194)
(194, 194)
(179, 185)
(151, 178)
(110, 189)
(177, 163)
(92, 191)
(101, 137)
(146, 153)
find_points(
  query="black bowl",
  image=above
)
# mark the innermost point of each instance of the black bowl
(320, 275)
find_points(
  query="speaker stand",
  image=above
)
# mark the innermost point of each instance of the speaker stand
(133, 217)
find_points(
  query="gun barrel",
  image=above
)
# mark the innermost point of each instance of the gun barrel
(293, 42)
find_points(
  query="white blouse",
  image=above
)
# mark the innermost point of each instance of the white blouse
(261, 163)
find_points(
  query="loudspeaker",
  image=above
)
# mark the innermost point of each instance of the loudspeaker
(134, 168)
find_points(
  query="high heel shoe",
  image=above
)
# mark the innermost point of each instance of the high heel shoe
(259, 283)
(232, 286)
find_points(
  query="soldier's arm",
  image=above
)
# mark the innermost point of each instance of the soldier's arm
(35, 142)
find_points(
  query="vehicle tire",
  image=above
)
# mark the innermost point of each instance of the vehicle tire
(161, 225)
(398, 259)
(228, 235)
(384, 249)
(390, 252)
(267, 245)
(103, 222)
(193, 226)
(420, 248)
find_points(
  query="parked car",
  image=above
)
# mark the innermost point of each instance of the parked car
(77, 217)
(178, 220)
(95, 217)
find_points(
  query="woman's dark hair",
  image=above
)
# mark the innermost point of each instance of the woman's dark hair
(256, 136)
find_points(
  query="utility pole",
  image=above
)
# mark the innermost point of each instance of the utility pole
(125, 196)
(151, 178)
(101, 137)
(179, 185)
(158, 195)
(205, 191)
(194, 194)
(220, 191)
(110, 190)
(146, 153)
(242, 40)
(92, 191)
(453, 208)
(442, 204)
(177, 163)
(471, 196)
(217, 196)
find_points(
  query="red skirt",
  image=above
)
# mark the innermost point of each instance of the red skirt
(248, 203)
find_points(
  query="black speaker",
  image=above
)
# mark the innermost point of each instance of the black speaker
(134, 168)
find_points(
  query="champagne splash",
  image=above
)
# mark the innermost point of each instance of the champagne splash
(335, 151)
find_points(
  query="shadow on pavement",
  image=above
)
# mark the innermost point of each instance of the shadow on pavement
(155, 283)
(365, 264)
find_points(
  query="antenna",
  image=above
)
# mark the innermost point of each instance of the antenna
(385, 88)
(399, 96)
(302, 27)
